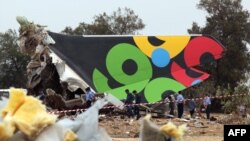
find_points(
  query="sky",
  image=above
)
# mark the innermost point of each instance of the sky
(161, 17)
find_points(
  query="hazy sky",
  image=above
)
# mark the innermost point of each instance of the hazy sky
(160, 16)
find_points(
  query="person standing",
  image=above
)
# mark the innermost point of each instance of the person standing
(129, 101)
(207, 105)
(171, 101)
(180, 104)
(191, 106)
(89, 97)
(137, 102)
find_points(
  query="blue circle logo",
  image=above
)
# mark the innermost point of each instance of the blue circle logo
(160, 57)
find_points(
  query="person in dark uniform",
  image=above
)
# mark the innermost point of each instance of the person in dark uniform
(136, 107)
(129, 101)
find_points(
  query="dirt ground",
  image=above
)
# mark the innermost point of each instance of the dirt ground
(121, 128)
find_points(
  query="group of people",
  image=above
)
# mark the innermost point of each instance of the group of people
(133, 98)
(131, 101)
(180, 102)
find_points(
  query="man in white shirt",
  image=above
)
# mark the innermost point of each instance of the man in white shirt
(207, 105)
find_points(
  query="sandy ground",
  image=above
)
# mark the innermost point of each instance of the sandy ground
(123, 129)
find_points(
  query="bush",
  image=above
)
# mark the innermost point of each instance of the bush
(231, 104)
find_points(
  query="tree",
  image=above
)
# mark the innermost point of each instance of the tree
(12, 62)
(228, 22)
(120, 22)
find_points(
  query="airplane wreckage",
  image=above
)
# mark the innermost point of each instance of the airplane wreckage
(151, 65)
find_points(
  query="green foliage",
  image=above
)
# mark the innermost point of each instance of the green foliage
(12, 62)
(228, 22)
(120, 22)
(231, 104)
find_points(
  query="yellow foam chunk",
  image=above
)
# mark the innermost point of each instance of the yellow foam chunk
(3, 134)
(70, 136)
(7, 128)
(173, 131)
(24, 113)
(17, 98)
(32, 117)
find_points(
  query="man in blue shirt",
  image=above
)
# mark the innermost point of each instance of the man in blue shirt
(180, 104)
(89, 96)
(207, 104)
